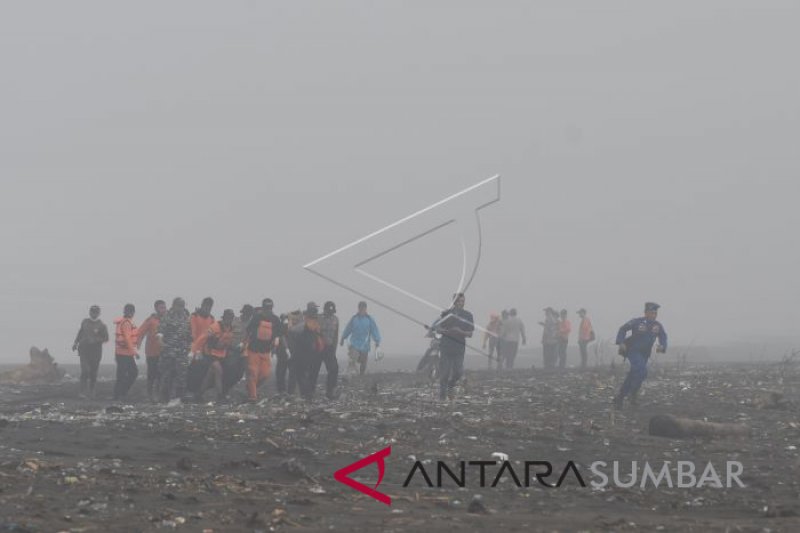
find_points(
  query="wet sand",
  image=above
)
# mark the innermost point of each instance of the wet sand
(74, 465)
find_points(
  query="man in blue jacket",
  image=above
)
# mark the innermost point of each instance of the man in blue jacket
(637, 347)
(362, 330)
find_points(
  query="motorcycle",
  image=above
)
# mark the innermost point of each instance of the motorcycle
(429, 364)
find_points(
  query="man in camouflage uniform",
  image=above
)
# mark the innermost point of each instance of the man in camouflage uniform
(176, 341)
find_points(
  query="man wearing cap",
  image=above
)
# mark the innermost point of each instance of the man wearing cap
(636, 347)
(329, 329)
(89, 341)
(307, 346)
(362, 331)
(585, 335)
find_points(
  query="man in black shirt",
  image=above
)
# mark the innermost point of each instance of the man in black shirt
(455, 325)
(89, 345)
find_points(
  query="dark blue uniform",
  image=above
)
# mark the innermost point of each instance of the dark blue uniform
(452, 348)
(638, 345)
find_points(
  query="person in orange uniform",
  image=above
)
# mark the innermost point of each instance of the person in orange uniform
(125, 353)
(585, 335)
(200, 321)
(215, 345)
(260, 337)
(152, 348)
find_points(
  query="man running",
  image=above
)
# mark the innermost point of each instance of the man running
(200, 321)
(307, 347)
(125, 353)
(261, 337)
(362, 331)
(175, 333)
(456, 325)
(637, 348)
(235, 365)
(152, 348)
(215, 346)
(89, 341)
(329, 329)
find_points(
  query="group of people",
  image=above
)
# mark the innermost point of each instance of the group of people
(503, 333)
(190, 354)
(635, 339)
(557, 329)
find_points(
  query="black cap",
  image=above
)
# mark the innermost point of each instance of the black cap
(651, 306)
(267, 302)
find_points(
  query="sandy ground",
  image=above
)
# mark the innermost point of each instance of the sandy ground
(73, 465)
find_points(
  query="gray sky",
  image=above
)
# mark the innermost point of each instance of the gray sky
(648, 152)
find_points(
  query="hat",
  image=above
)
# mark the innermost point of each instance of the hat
(267, 302)
(94, 308)
(228, 312)
(312, 308)
(581, 311)
(651, 306)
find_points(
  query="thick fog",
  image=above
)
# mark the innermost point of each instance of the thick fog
(647, 152)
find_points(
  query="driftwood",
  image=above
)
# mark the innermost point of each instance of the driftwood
(41, 369)
(677, 428)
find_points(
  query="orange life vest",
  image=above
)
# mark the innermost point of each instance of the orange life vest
(126, 337)
(219, 340)
(262, 342)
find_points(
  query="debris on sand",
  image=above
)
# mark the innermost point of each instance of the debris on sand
(41, 369)
(770, 400)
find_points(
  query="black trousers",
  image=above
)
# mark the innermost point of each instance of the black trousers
(510, 350)
(303, 363)
(284, 366)
(127, 372)
(153, 375)
(90, 356)
(327, 357)
(550, 355)
(451, 368)
(562, 354)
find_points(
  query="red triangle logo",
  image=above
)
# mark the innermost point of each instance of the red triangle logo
(342, 476)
